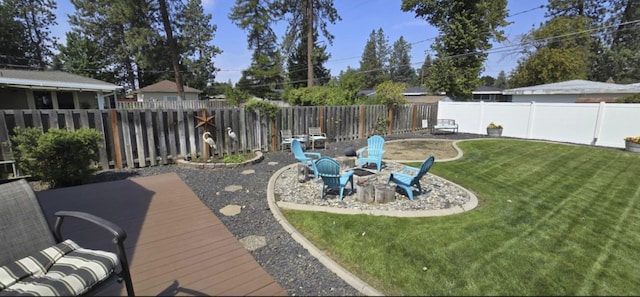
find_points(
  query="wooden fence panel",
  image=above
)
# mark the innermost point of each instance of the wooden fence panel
(184, 104)
(99, 125)
(150, 137)
(161, 131)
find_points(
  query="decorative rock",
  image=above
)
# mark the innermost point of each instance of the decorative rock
(231, 210)
(233, 188)
(253, 242)
(438, 193)
(303, 173)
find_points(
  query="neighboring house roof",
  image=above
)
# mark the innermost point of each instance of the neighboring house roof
(575, 87)
(487, 90)
(424, 99)
(409, 91)
(166, 86)
(415, 91)
(52, 79)
(366, 93)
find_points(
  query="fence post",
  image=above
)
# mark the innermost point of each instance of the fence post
(532, 114)
(362, 115)
(321, 116)
(599, 119)
(390, 118)
(415, 118)
(116, 139)
(274, 137)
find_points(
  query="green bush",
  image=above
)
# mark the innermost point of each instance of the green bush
(264, 106)
(233, 158)
(635, 98)
(59, 157)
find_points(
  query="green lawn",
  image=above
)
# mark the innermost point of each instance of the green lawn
(553, 219)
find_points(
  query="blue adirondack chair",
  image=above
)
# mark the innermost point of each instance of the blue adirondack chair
(374, 150)
(406, 180)
(308, 158)
(329, 172)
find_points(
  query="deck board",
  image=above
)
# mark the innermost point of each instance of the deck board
(175, 244)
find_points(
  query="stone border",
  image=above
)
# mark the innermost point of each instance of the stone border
(198, 165)
(347, 276)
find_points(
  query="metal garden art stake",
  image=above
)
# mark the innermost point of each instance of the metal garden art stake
(207, 122)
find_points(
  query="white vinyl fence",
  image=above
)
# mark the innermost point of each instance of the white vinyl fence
(583, 123)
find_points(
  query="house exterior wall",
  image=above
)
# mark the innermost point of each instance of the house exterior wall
(19, 98)
(86, 100)
(561, 98)
(163, 96)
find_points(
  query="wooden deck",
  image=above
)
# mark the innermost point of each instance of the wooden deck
(175, 244)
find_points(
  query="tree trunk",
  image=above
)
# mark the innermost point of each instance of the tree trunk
(309, 43)
(172, 48)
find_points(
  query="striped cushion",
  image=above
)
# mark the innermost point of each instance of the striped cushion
(61, 270)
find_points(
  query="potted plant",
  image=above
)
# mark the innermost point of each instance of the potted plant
(632, 143)
(494, 130)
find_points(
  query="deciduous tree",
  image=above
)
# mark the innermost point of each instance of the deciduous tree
(466, 28)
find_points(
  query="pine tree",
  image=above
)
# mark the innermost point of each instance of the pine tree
(195, 39)
(305, 18)
(400, 63)
(265, 72)
(13, 38)
(372, 63)
(36, 18)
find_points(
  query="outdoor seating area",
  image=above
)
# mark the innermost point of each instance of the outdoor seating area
(174, 244)
(332, 178)
(338, 173)
(316, 136)
(306, 158)
(373, 151)
(447, 125)
(410, 177)
(38, 261)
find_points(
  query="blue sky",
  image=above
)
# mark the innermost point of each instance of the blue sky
(359, 18)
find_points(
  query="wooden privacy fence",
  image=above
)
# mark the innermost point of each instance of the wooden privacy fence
(151, 137)
(183, 104)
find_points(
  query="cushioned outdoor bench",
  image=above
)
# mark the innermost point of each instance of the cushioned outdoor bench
(445, 125)
(36, 261)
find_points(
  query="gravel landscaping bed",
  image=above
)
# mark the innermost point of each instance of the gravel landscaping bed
(299, 273)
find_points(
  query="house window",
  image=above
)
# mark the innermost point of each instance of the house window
(171, 98)
(43, 100)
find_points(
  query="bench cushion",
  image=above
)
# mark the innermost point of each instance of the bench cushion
(61, 270)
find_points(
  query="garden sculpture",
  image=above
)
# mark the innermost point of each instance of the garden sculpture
(232, 134)
(209, 140)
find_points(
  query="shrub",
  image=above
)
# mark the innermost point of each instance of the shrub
(233, 159)
(494, 126)
(59, 157)
(635, 98)
(270, 109)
